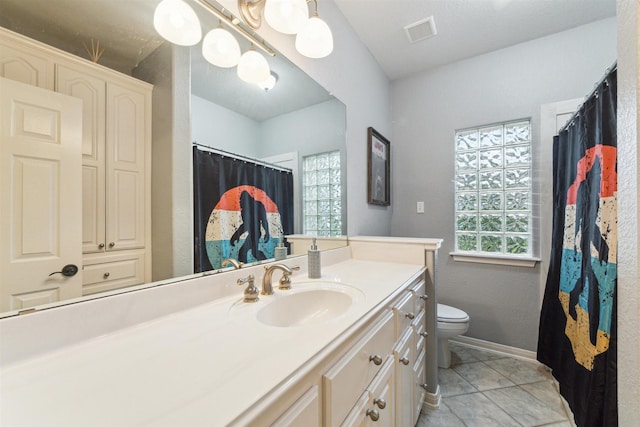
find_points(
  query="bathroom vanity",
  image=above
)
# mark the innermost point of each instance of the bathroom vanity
(356, 347)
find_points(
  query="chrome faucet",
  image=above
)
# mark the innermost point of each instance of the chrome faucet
(230, 261)
(285, 281)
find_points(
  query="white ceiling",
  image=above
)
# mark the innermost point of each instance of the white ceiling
(465, 28)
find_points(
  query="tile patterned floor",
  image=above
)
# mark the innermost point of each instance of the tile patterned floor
(485, 389)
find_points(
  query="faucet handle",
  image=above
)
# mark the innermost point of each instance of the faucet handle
(230, 261)
(285, 280)
(251, 293)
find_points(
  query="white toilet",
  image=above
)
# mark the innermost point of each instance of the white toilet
(451, 322)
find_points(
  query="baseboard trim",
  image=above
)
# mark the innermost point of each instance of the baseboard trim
(495, 348)
(432, 400)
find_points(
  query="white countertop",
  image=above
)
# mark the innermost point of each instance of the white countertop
(200, 366)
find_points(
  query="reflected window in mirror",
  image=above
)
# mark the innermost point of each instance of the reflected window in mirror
(322, 194)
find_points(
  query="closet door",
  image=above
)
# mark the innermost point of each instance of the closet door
(125, 167)
(91, 90)
(24, 63)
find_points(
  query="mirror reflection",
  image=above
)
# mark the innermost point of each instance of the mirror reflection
(295, 124)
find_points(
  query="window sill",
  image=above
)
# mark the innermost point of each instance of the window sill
(510, 260)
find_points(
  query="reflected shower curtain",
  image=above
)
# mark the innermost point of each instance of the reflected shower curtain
(577, 335)
(242, 210)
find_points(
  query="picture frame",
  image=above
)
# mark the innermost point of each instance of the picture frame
(378, 168)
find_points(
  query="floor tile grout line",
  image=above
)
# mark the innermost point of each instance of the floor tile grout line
(503, 410)
(533, 397)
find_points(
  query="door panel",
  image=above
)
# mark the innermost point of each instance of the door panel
(22, 66)
(40, 195)
(92, 92)
(125, 168)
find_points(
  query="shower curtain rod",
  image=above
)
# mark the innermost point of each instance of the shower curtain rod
(595, 88)
(242, 158)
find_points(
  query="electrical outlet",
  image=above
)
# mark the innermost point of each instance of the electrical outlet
(420, 207)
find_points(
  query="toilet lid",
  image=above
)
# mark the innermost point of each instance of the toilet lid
(446, 313)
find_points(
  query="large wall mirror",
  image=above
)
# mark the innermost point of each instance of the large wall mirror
(294, 119)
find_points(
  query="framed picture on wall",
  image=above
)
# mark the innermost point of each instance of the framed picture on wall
(378, 169)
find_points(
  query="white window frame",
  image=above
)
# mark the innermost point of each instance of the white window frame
(504, 258)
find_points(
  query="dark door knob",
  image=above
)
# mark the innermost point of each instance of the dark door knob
(68, 270)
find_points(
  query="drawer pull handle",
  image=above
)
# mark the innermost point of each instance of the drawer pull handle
(404, 361)
(424, 297)
(424, 334)
(373, 414)
(380, 403)
(111, 244)
(410, 316)
(106, 275)
(424, 386)
(101, 246)
(377, 360)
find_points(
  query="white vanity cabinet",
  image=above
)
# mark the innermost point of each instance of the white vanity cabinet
(116, 153)
(378, 379)
(350, 377)
(375, 407)
(372, 378)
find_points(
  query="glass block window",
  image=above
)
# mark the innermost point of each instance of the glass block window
(322, 194)
(493, 196)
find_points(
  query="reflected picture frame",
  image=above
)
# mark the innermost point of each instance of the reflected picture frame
(378, 168)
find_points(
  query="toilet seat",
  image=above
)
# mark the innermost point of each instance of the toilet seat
(448, 314)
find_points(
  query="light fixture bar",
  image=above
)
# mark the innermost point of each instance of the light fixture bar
(234, 23)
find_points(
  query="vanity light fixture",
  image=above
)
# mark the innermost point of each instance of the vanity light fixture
(313, 35)
(269, 83)
(176, 21)
(286, 16)
(220, 48)
(253, 67)
(315, 40)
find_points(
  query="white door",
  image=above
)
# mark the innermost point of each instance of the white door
(40, 196)
(552, 118)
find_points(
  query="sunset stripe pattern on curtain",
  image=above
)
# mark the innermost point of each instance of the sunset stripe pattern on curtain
(242, 210)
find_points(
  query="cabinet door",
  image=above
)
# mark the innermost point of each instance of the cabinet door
(25, 64)
(125, 167)
(404, 380)
(419, 383)
(305, 412)
(357, 417)
(381, 396)
(375, 407)
(91, 90)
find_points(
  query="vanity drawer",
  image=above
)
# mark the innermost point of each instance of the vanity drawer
(345, 381)
(419, 329)
(110, 272)
(404, 312)
(418, 291)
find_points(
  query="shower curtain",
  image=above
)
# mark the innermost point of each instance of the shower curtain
(242, 209)
(577, 335)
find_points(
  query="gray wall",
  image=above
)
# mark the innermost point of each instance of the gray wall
(353, 76)
(503, 302)
(219, 127)
(168, 68)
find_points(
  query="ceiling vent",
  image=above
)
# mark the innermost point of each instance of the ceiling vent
(421, 30)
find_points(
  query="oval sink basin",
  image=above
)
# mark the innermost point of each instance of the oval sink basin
(308, 307)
